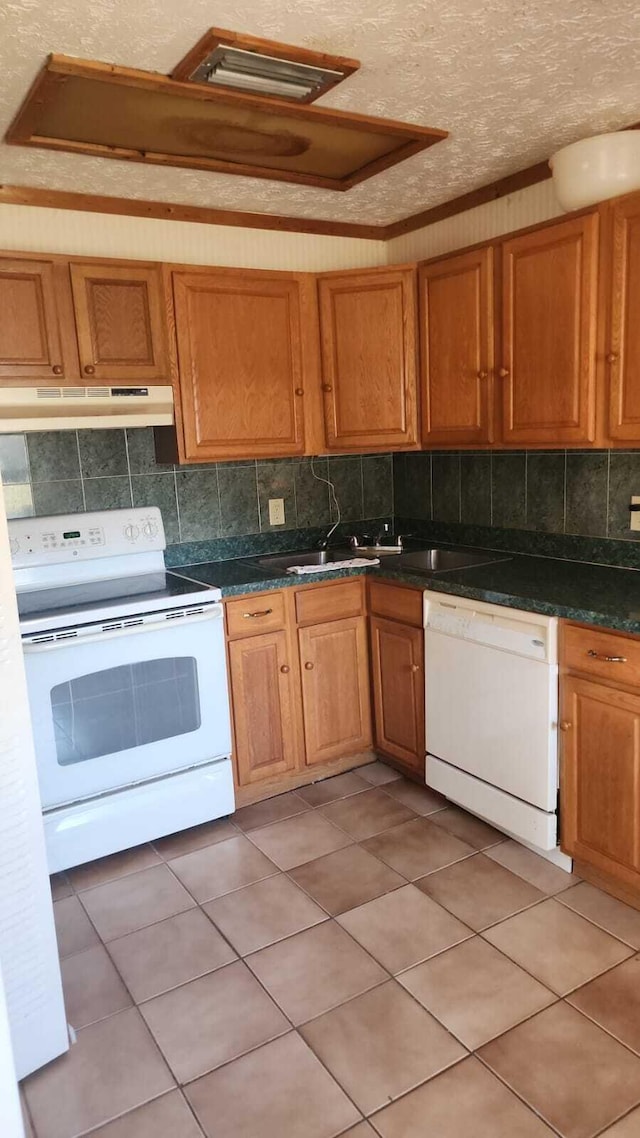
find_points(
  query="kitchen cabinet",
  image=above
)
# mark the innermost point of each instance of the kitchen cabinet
(240, 363)
(120, 323)
(335, 688)
(547, 362)
(397, 665)
(37, 341)
(299, 678)
(456, 319)
(600, 758)
(368, 342)
(622, 350)
(263, 705)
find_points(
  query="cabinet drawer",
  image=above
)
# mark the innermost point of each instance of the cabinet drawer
(601, 654)
(254, 614)
(396, 603)
(329, 602)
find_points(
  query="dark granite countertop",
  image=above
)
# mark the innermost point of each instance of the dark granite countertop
(593, 594)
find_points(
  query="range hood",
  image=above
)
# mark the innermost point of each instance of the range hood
(68, 408)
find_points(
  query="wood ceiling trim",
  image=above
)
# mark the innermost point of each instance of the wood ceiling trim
(404, 139)
(220, 36)
(167, 211)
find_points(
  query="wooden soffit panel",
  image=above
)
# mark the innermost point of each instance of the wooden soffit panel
(116, 112)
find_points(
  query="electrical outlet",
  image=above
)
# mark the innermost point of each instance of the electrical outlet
(635, 514)
(276, 511)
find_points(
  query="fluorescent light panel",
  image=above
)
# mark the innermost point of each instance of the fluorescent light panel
(268, 75)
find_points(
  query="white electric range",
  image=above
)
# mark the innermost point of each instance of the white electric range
(127, 678)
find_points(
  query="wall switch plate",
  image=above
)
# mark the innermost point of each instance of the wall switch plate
(635, 514)
(276, 511)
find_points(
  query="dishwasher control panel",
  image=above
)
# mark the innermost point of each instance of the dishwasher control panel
(496, 626)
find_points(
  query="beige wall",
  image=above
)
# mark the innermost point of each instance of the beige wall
(516, 211)
(32, 228)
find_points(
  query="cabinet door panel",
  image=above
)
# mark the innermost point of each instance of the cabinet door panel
(335, 688)
(600, 790)
(549, 316)
(263, 707)
(119, 319)
(623, 349)
(456, 340)
(368, 341)
(31, 345)
(398, 687)
(240, 363)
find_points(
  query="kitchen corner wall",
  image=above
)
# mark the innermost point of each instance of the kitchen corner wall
(579, 493)
(68, 471)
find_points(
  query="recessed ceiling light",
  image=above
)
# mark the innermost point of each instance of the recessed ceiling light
(263, 67)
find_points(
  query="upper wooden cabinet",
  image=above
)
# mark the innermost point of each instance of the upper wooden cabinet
(622, 351)
(240, 361)
(547, 366)
(457, 347)
(35, 321)
(368, 351)
(120, 322)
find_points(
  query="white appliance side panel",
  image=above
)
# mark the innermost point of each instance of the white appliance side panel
(10, 1113)
(494, 715)
(81, 833)
(535, 827)
(28, 949)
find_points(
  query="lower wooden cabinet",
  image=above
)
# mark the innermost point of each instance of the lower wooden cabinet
(264, 698)
(397, 658)
(335, 688)
(300, 687)
(600, 758)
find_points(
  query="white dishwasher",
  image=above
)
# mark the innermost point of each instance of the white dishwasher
(492, 713)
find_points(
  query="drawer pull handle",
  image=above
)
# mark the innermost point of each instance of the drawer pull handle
(607, 659)
(285, 669)
(565, 725)
(260, 612)
(309, 666)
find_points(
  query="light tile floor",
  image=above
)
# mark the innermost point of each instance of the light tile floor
(357, 958)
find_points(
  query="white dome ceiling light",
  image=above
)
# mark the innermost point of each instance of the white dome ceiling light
(597, 168)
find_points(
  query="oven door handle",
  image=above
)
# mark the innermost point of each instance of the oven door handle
(214, 612)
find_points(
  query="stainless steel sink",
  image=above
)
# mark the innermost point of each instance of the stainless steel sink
(444, 560)
(284, 561)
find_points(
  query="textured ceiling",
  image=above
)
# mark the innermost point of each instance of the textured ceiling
(512, 80)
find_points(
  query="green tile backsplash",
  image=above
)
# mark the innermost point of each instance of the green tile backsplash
(581, 493)
(68, 471)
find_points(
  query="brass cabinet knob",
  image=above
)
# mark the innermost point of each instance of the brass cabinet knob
(89, 369)
(299, 391)
(415, 667)
(503, 372)
(611, 357)
(57, 369)
(309, 665)
(483, 374)
(565, 725)
(285, 669)
(327, 387)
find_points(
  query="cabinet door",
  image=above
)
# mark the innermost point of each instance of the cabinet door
(549, 316)
(263, 695)
(368, 343)
(120, 322)
(240, 363)
(335, 688)
(623, 347)
(398, 691)
(32, 340)
(456, 343)
(600, 787)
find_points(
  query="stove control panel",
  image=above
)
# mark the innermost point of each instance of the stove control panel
(79, 537)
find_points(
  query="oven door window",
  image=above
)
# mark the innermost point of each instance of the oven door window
(119, 709)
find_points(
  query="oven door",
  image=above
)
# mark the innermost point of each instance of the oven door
(113, 706)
